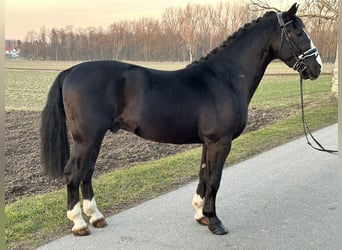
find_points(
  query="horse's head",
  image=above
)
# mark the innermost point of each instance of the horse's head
(296, 47)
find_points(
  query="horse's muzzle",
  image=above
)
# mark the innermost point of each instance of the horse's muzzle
(312, 70)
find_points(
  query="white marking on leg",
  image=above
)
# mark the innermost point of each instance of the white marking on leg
(76, 216)
(197, 203)
(90, 209)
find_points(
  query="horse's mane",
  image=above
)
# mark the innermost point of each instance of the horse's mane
(232, 38)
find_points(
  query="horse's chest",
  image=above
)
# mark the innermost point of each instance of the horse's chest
(224, 120)
(236, 121)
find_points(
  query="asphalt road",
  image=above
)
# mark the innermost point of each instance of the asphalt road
(285, 198)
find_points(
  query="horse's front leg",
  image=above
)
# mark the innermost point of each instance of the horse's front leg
(198, 199)
(217, 153)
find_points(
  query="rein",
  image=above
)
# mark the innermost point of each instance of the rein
(300, 66)
(306, 128)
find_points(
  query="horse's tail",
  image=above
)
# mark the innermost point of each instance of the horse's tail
(55, 149)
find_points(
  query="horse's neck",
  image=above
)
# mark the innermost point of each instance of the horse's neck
(247, 59)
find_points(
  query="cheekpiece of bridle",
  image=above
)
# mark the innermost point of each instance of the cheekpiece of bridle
(299, 65)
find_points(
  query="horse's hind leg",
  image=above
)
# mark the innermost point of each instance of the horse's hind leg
(72, 174)
(89, 203)
(79, 170)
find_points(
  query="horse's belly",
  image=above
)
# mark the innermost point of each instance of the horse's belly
(169, 134)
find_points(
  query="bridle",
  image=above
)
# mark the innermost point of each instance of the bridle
(300, 66)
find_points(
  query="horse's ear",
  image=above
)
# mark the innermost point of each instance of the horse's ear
(288, 15)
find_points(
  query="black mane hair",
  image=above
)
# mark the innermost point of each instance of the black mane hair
(231, 38)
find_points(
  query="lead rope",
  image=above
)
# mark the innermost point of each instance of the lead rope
(306, 127)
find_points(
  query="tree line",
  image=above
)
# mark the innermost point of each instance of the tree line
(181, 34)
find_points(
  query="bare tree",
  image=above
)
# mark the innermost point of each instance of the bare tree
(30, 46)
(188, 20)
(54, 43)
(43, 37)
(171, 31)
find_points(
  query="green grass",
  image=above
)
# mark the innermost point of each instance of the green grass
(27, 90)
(277, 92)
(31, 221)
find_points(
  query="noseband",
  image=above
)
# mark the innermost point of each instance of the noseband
(299, 65)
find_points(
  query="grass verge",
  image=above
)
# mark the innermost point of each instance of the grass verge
(32, 221)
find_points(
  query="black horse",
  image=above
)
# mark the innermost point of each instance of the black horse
(204, 103)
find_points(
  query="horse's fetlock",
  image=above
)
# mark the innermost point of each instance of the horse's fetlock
(90, 209)
(75, 216)
(209, 214)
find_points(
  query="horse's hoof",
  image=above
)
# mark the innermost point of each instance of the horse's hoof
(217, 229)
(203, 221)
(99, 223)
(81, 232)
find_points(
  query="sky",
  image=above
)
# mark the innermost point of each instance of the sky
(22, 16)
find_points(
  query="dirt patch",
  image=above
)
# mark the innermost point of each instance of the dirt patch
(23, 171)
